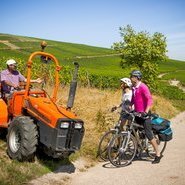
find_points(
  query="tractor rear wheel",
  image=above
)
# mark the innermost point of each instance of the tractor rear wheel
(22, 139)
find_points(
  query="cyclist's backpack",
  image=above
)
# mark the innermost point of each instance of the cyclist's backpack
(162, 127)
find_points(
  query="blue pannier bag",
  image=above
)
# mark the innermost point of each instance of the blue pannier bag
(162, 128)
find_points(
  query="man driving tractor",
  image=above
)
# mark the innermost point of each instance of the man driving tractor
(10, 78)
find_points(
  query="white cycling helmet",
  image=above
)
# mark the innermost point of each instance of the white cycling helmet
(10, 62)
(127, 81)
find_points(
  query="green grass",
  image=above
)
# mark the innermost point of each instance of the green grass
(173, 94)
(66, 53)
(3, 46)
(14, 54)
(105, 66)
(179, 75)
(100, 66)
(8, 37)
(20, 173)
(171, 65)
(28, 44)
(17, 173)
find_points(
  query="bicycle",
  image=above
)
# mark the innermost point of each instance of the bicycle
(124, 147)
(107, 137)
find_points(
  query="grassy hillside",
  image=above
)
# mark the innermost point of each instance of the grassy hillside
(61, 50)
(101, 65)
(98, 63)
(176, 75)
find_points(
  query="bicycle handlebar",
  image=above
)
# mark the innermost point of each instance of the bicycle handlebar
(142, 115)
(133, 113)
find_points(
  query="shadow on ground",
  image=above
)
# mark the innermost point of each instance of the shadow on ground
(55, 165)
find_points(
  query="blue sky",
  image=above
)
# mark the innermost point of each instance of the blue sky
(95, 22)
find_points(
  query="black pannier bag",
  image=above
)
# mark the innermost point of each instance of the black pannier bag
(162, 127)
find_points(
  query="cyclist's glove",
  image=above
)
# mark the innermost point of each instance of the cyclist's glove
(144, 115)
(113, 109)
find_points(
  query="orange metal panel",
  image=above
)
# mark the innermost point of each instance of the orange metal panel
(3, 114)
(45, 110)
(17, 101)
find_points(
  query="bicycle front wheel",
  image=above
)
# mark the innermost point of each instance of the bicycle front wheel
(104, 143)
(122, 150)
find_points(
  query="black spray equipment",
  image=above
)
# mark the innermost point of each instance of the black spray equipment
(73, 86)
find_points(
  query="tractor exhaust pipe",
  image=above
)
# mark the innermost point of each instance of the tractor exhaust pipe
(73, 86)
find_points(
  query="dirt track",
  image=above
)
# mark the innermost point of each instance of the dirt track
(12, 46)
(171, 170)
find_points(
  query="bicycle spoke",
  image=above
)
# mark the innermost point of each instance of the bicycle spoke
(104, 143)
(125, 154)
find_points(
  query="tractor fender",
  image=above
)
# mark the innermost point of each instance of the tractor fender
(3, 114)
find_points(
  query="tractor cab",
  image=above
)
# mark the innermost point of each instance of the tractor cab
(33, 118)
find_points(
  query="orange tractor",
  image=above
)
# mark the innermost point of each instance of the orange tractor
(33, 119)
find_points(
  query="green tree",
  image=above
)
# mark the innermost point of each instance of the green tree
(143, 51)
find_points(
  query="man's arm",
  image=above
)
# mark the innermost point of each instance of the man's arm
(10, 84)
(148, 96)
(23, 79)
(38, 80)
(148, 108)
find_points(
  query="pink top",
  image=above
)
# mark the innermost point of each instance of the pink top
(141, 97)
(14, 77)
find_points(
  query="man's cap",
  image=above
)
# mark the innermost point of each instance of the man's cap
(10, 62)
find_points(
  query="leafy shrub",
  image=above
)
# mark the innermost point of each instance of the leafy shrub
(142, 50)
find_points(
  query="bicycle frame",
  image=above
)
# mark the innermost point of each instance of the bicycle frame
(133, 129)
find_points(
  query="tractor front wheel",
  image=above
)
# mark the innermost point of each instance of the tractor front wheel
(22, 139)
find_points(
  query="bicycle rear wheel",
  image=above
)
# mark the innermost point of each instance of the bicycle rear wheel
(104, 143)
(122, 150)
(161, 147)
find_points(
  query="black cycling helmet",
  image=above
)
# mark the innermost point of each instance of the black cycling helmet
(136, 73)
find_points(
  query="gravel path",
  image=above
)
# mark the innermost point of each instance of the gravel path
(12, 46)
(170, 171)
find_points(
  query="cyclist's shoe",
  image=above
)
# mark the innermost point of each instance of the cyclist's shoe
(137, 156)
(157, 160)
